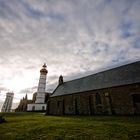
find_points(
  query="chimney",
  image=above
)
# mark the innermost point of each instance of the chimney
(61, 80)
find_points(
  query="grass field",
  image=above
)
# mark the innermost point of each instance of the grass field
(32, 126)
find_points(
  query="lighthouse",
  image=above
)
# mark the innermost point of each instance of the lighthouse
(40, 98)
(40, 104)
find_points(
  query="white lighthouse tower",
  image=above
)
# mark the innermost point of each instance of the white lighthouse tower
(40, 98)
(39, 104)
(8, 102)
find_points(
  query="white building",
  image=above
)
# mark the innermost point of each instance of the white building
(40, 104)
(8, 102)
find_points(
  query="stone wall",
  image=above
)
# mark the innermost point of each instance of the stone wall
(114, 100)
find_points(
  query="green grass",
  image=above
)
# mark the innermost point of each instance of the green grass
(32, 126)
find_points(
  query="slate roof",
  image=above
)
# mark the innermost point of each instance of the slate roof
(123, 75)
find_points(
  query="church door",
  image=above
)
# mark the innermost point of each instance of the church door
(33, 108)
(61, 107)
(91, 106)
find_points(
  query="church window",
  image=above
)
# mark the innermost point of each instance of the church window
(98, 99)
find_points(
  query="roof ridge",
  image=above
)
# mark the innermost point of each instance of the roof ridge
(101, 72)
(121, 75)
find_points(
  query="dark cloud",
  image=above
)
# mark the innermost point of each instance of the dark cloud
(3, 89)
(30, 90)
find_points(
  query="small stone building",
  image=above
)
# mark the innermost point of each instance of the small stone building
(114, 91)
(22, 107)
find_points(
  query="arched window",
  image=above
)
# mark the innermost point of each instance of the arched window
(98, 99)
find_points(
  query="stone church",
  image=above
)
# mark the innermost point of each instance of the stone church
(114, 91)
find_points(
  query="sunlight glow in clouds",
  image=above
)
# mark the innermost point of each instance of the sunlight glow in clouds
(74, 38)
(16, 83)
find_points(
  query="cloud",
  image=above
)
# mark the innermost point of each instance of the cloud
(74, 38)
(30, 90)
(3, 89)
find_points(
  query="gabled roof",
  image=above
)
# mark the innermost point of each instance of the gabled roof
(123, 75)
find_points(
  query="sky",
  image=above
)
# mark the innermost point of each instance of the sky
(74, 38)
